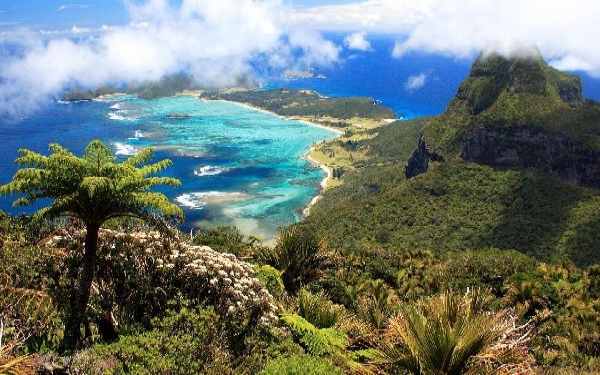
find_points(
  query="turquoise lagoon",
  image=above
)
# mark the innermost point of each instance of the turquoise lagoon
(238, 166)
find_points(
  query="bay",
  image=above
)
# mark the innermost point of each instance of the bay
(238, 166)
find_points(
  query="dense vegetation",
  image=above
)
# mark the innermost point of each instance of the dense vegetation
(306, 103)
(465, 269)
(522, 91)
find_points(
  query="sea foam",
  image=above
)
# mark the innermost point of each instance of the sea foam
(198, 200)
(120, 115)
(209, 170)
(124, 149)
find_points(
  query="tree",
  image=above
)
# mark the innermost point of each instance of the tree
(452, 334)
(94, 189)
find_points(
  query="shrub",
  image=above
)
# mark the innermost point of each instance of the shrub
(271, 279)
(298, 254)
(183, 343)
(301, 365)
(316, 341)
(318, 309)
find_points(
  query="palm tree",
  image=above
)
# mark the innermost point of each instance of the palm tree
(527, 296)
(452, 334)
(299, 255)
(376, 302)
(94, 189)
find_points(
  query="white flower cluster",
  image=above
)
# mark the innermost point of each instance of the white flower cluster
(232, 281)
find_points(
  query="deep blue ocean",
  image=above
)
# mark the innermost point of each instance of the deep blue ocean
(237, 165)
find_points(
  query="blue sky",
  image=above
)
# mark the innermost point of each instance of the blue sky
(65, 14)
(58, 14)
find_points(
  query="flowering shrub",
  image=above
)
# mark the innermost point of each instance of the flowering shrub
(143, 270)
(230, 284)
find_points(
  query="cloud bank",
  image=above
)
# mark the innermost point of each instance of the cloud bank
(216, 41)
(565, 31)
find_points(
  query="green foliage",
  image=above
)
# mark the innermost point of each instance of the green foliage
(298, 254)
(376, 303)
(454, 334)
(318, 309)
(301, 365)
(396, 141)
(182, 343)
(485, 267)
(271, 278)
(225, 239)
(307, 103)
(461, 206)
(319, 342)
(93, 188)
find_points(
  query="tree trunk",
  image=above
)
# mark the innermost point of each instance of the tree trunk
(72, 336)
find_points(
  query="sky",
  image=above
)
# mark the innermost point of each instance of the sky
(50, 44)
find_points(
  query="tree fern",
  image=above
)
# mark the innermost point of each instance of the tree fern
(93, 188)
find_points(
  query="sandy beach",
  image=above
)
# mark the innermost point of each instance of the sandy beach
(305, 121)
(324, 182)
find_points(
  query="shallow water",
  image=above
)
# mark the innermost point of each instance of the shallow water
(237, 165)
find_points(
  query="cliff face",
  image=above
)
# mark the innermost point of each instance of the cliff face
(521, 113)
(527, 147)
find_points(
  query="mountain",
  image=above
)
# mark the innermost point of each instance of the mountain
(519, 112)
(508, 165)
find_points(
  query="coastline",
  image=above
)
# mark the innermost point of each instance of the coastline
(324, 182)
(328, 170)
(303, 120)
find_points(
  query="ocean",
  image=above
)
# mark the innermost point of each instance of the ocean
(239, 166)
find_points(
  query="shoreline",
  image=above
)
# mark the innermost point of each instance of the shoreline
(305, 121)
(322, 186)
(328, 170)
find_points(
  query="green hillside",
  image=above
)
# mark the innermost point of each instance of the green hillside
(519, 92)
(458, 206)
(305, 103)
(513, 126)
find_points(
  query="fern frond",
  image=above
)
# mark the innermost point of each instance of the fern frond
(156, 167)
(142, 157)
(30, 158)
(95, 185)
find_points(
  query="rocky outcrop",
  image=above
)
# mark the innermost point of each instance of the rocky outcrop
(518, 112)
(529, 147)
(418, 163)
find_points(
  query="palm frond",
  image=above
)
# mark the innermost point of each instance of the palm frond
(453, 335)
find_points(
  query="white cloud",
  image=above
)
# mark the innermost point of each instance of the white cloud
(357, 41)
(368, 15)
(563, 30)
(415, 82)
(214, 41)
(68, 6)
